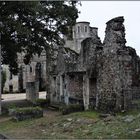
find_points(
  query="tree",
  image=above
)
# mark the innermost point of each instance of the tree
(13, 32)
(31, 26)
(3, 80)
(61, 16)
(0, 77)
(25, 26)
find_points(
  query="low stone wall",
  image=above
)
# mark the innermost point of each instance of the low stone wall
(20, 114)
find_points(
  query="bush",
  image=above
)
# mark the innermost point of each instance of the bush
(71, 108)
(42, 102)
(24, 113)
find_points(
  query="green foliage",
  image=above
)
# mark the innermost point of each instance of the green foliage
(20, 114)
(42, 102)
(88, 114)
(31, 26)
(12, 106)
(17, 104)
(25, 110)
(71, 108)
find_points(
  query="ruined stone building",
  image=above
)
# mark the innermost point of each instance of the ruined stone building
(103, 76)
(35, 71)
(99, 75)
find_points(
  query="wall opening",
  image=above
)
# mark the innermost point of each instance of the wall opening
(92, 91)
(85, 28)
(78, 29)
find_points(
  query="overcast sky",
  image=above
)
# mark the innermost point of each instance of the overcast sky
(99, 12)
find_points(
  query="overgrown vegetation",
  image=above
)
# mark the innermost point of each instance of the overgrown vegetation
(42, 102)
(79, 125)
(20, 114)
(30, 27)
(12, 105)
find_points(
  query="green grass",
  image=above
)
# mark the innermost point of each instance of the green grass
(87, 114)
(59, 126)
(130, 112)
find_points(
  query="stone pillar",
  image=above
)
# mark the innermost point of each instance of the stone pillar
(53, 89)
(32, 89)
(32, 85)
(86, 92)
(61, 88)
(66, 91)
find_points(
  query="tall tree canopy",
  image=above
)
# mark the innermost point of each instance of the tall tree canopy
(30, 26)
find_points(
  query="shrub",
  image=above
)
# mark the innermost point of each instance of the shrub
(71, 108)
(42, 102)
(24, 113)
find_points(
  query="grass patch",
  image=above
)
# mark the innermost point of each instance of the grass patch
(78, 125)
(87, 114)
(130, 112)
(42, 102)
(14, 104)
(20, 114)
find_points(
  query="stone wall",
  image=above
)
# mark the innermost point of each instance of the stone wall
(27, 73)
(116, 69)
(11, 80)
(75, 86)
(105, 75)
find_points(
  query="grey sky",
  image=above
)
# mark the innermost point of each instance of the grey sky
(99, 12)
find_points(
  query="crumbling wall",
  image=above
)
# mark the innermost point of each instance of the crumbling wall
(75, 86)
(115, 69)
(104, 75)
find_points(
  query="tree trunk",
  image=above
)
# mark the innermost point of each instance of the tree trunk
(0, 81)
(48, 90)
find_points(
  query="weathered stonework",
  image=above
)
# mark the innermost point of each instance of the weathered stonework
(102, 76)
(34, 71)
(117, 69)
